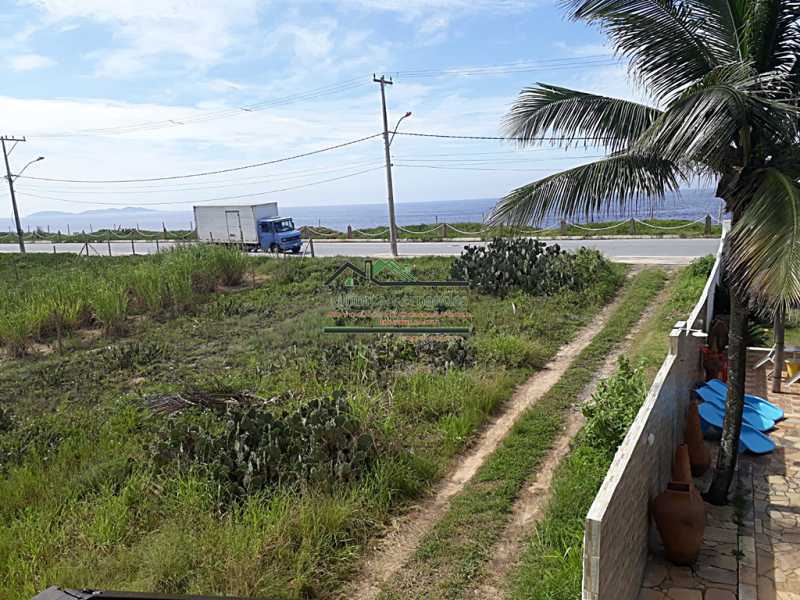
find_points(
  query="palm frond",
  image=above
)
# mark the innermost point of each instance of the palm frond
(619, 181)
(662, 38)
(764, 255)
(772, 35)
(703, 124)
(571, 113)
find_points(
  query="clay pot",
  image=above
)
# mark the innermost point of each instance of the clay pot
(699, 455)
(680, 517)
(681, 468)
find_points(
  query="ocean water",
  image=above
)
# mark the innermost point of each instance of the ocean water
(689, 204)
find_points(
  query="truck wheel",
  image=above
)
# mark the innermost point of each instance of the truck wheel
(296, 250)
(274, 248)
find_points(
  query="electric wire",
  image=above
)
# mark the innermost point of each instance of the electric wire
(217, 199)
(207, 173)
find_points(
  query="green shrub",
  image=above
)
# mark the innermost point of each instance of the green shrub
(614, 406)
(701, 267)
(507, 264)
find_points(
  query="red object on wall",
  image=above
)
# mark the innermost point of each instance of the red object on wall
(715, 364)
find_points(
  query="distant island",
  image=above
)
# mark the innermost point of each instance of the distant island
(111, 212)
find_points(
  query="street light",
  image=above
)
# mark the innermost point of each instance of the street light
(35, 160)
(11, 178)
(394, 131)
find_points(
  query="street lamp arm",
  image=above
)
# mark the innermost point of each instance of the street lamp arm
(35, 160)
(394, 131)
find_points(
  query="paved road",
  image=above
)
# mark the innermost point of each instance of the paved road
(650, 251)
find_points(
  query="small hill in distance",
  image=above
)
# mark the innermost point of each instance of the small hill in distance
(110, 212)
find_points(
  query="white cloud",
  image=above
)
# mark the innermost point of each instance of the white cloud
(30, 62)
(199, 31)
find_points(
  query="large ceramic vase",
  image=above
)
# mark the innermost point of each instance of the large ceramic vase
(682, 467)
(679, 514)
(699, 455)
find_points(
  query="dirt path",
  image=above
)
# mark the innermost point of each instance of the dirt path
(533, 498)
(389, 554)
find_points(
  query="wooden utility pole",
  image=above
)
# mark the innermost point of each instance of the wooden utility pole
(390, 188)
(20, 235)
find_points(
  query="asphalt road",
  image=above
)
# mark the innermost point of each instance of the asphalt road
(643, 251)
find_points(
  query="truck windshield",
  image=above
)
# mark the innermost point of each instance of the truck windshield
(285, 225)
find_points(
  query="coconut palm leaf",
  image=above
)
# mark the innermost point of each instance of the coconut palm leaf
(765, 242)
(618, 181)
(694, 125)
(663, 39)
(571, 113)
(772, 34)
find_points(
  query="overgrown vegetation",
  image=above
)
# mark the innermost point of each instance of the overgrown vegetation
(46, 303)
(452, 555)
(551, 565)
(141, 463)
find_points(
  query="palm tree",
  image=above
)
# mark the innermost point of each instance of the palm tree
(724, 80)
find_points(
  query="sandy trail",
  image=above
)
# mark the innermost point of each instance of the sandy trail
(387, 555)
(529, 507)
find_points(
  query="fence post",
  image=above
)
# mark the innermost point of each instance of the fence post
(563, 227)
(158, 250)
(707, 230)
(633, 226)
(133, 245)
(108, 241)
(54, 248)
(349, 232)
(444, 231)
(311, 245)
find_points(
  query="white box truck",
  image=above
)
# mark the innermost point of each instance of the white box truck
(256, 227)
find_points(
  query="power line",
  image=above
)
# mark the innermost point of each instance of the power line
(517, 67)
(502, 139)
(207, 173)
(219, 199)
(469, 168)
(152, 189)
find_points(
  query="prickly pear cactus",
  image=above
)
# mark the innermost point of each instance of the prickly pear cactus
(248, 449)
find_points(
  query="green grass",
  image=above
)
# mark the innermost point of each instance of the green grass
(101, 235)
(83, 503)
(551, 565)
(452, 555)
(683, 228)
(42, 303)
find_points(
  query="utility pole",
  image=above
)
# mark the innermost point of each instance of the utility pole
(390, 188)
(3, 140)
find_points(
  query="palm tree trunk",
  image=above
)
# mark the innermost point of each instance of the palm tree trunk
(780, 329)
(734, 405)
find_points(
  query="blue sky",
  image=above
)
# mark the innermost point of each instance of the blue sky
(182, 67)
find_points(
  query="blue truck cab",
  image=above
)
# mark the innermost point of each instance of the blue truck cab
(277, 234)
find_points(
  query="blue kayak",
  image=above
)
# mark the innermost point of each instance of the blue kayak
(750, 415)
(751, 439)
(765, 407)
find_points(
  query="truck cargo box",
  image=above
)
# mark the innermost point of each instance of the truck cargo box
(232, 224)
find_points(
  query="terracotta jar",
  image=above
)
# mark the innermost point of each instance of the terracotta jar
(699, 455)
(681, 468)
(680, 517)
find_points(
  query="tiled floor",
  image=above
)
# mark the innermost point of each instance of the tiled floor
(776, 498)
(752, 547)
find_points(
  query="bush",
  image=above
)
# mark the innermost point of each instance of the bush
(529, 265)
(247, 449)
(614, 406)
